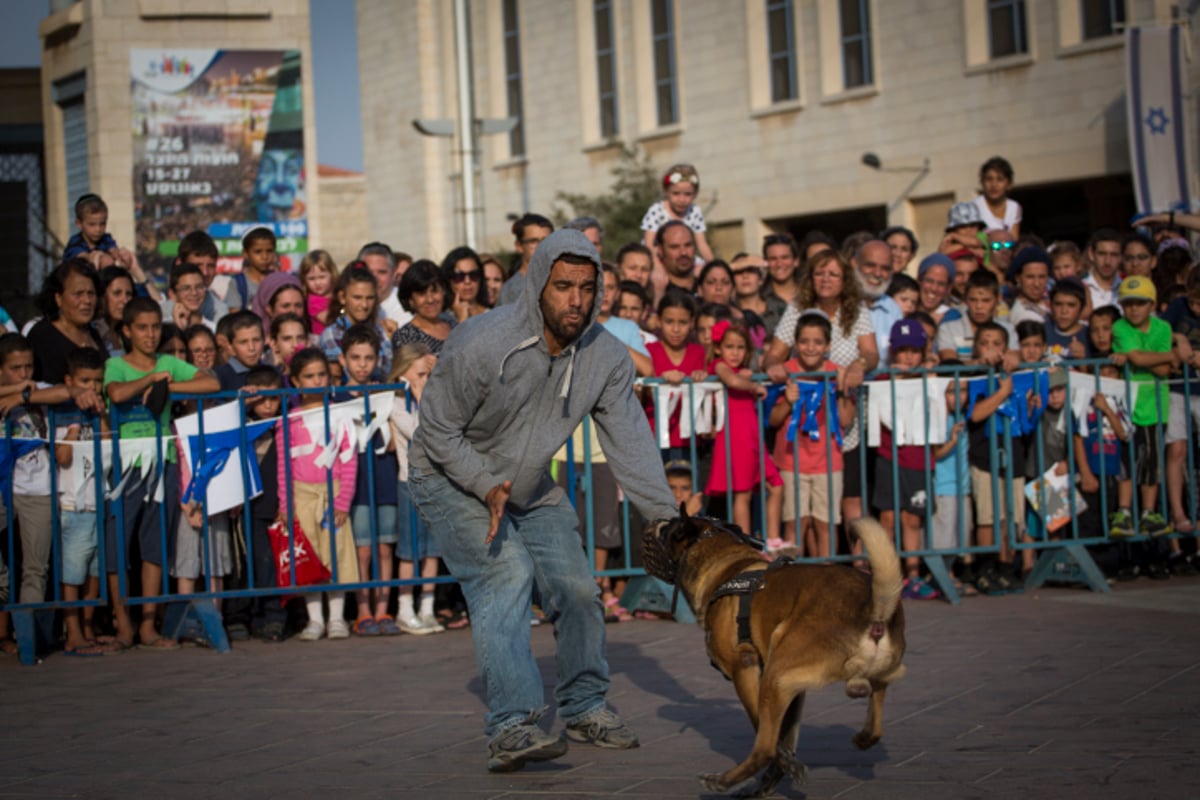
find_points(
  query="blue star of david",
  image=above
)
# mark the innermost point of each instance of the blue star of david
(1157, 120)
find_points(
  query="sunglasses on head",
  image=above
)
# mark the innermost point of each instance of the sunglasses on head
(459, 277)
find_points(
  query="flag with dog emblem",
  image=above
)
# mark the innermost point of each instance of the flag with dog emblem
(1155, 88)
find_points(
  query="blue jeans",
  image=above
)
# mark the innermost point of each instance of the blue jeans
(540, 543)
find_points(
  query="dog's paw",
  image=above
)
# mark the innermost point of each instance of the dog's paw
(792, 767)
(712, 781)
(864, 740)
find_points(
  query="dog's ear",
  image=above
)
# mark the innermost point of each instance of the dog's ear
(683, 512)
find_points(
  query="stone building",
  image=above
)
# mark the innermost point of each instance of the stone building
(774, 101)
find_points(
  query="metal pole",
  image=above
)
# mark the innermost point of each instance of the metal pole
(466, 118)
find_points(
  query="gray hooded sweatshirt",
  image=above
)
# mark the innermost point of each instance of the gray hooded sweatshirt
(497, 406)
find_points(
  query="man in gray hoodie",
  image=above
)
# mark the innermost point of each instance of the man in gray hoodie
(508, 390)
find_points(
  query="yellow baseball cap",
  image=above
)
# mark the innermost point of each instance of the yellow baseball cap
(1137, 288)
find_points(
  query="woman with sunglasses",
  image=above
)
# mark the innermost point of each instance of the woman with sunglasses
(462, 269)
(425, 293)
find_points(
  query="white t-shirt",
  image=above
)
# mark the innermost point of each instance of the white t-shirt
(1012, 214)
(657, 216)
(959, 335)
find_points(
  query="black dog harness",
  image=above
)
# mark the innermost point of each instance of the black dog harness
(745, 585)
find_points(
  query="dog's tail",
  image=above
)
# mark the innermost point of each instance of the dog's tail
(886, 581)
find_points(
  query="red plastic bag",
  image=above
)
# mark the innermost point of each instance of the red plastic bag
(309, 569)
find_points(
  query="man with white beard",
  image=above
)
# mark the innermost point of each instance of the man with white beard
(873, 263)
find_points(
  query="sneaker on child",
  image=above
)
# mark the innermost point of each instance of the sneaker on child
(919, 589)
(603, 729)
(1153, 524)
(414, 625)
(1120, 524)
(312, 631)
(338, 629)
(429, 620)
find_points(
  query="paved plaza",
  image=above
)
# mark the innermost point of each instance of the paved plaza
(1058, 693)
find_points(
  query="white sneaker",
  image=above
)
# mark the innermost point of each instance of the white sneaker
(431, 622)
(414, 626)
(338, 629)
(312, 631)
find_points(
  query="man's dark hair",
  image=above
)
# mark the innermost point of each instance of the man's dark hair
(256, 234)
(661, 234)
(197, 243)
(578, 260)
(139, 305)
(537, 220)
(774, 239)
(13, 343)
(378, 249)
(1104, 235)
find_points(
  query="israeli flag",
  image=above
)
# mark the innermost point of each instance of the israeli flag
(1156, 84)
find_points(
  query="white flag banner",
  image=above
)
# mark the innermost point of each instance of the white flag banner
(1155, 87)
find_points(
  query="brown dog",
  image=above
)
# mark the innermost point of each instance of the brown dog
(802, 627)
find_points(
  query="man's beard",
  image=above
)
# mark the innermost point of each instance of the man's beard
(870, 292)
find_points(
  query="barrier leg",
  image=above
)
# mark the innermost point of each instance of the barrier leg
(942, 578)
(647, 593)
(25, 632)
(201, 614)
(1071, 563)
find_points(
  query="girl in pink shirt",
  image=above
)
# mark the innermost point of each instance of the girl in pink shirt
(310, 496)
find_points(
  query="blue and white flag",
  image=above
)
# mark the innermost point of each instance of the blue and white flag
(1155, 88)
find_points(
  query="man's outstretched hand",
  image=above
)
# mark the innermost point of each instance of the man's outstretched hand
(497, 499)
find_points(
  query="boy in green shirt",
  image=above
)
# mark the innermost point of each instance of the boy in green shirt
(129, 385)
(1144, 342)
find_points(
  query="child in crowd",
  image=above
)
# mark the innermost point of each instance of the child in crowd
(1183, 315)
(811, 463)
(171, 342)
(1100, 454)
(952, 517)
(635, 262)
(1067, 260)
(91, 217)
(246, 349)
(995, 206)
(288, 334)
(990, 342)
(324, 518)
(199, 250)
(1031, 337)
(1144, 342)
(707, 316)
(632, 304)
(905, 476)
(679, 480)
(926, 321)
(1100, 331)
(30, 478)
(357, 298)
(1137, 255)
(201, 348)
(675, 358)
(186, 292)
(1030, 270)
(737, 450)
(414, 363)
(318, 275)
(258, 260)
(137, 385)
(956, 338)
(80, 541)
(360, 352)
(681, 183)
(265, 616)
(1066, 333)
(905, 290)
(1053, 432)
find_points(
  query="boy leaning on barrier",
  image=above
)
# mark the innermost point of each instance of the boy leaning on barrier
(992, 512)
(1144, 342)
(138, 384)
(79, 545)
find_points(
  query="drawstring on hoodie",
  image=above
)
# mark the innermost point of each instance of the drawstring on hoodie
(521, 345)
(563, 392)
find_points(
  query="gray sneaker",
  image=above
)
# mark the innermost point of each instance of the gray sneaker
(603, 729)
(514, 747)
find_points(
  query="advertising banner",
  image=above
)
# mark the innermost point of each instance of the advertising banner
(218, 145)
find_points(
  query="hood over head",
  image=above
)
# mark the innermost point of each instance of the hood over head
(562, 242)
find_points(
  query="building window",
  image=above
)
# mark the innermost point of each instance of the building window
(856, 43)
(1102, 17)
(606, 67)
(512, 77)
(69, 94)
(1006, 28)
(781, 50)
(662, 32)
